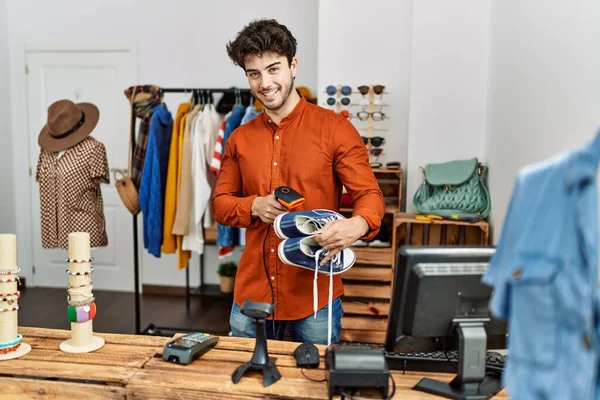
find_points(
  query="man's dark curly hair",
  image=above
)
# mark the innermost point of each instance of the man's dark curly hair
(261, 36)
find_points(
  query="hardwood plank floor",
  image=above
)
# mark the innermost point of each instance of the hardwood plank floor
(47, 308)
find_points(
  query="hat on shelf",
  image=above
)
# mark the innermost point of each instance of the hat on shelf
(68, 124)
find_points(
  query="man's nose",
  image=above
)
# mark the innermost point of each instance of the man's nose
(266, 82)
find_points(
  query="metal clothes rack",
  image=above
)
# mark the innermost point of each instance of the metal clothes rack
(199, 95)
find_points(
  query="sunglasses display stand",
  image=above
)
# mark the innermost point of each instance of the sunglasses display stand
(82, 333)
(11, 344)
(371, 126)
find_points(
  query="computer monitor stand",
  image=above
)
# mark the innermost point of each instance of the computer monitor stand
(471, 382)
(260, 359)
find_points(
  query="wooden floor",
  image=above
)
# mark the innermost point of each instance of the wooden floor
(47, 308)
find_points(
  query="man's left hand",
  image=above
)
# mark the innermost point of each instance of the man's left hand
(336, 235)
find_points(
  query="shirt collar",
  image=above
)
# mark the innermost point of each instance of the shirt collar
(296, 112)
(582, 167)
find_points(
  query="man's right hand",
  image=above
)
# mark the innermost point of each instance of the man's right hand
(267, 208)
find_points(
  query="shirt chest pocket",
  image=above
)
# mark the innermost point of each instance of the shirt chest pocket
(533, 316)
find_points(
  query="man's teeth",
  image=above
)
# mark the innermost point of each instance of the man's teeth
(270, 92)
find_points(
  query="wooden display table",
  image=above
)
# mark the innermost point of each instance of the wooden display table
(131, 367)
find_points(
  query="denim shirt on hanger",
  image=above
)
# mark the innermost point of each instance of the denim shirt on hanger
(545, 278)
(227, 235)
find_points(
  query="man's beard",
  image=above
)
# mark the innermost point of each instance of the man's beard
(284, 97)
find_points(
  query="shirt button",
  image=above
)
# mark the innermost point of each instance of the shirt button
(275, 163)
(272, 278)
(586, 341)
(277, 137)
(517, 273)
(272, 250)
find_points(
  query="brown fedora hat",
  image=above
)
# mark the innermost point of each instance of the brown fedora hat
(68, 124)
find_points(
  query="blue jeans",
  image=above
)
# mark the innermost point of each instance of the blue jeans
(309, 329)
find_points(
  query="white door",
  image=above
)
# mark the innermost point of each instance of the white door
(98, 77)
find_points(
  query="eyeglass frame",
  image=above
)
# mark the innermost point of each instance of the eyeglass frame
(341, 101)
(370, 114)
(373, 139)
(377, 89)
(341, 90)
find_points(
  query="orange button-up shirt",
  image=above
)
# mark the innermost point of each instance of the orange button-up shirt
(314, 151)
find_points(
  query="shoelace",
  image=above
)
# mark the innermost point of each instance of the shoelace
(322, 221)
(337, 258)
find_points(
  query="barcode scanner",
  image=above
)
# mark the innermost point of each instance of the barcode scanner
(288, 197)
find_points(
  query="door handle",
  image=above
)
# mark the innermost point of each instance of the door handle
(123, 171)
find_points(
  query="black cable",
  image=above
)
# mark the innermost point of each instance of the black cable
(312, 380)
(344, 394)
(455, 366)
(268, 277)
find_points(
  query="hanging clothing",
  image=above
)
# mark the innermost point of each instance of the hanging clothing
(205, 126)
(251, 113)
(544, 276)
(70, 194)
(181, 226)
(215, 162)
(181, 223)
(228, 236)
(146, 98)
(154, 178)
(171, 190)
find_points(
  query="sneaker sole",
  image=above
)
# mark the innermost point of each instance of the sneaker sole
(284, 259)
(276, 222)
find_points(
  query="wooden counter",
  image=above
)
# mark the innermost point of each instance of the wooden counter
(131, 367)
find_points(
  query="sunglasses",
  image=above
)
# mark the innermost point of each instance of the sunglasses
(377, 89)
(375, 141)
(376, 152)
(345, 90)
(376, 115)
(345, 101)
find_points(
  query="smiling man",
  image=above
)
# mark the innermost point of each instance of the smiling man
(310, 149)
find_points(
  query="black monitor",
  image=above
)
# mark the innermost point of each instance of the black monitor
(438, 294)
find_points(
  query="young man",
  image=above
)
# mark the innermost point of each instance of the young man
(310, 149)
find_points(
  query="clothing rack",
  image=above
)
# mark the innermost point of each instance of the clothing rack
(199, 95)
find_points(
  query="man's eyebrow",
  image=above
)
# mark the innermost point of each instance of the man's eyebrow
(267, 67)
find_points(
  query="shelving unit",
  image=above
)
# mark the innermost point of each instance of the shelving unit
(368, 284)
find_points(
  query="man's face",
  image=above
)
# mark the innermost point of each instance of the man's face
(271, 78)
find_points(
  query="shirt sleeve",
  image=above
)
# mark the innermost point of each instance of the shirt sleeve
(351, 163)
(502, 261)
(99, 164)
(229, 207)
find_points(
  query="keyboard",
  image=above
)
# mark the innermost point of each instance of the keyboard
(437, 361)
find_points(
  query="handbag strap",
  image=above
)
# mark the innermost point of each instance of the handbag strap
(131, 124)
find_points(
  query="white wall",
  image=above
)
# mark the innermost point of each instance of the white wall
(544, 86)
(448, 91)
(369, 44)
(7, 201)
(180, 44)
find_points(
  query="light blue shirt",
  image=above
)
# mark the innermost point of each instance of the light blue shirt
(544, 275)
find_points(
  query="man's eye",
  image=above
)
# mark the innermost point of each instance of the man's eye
(252, 74)
(273, 70)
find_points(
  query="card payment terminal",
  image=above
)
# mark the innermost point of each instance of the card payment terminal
(185, 349)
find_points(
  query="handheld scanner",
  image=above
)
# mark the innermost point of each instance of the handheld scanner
(288, 197)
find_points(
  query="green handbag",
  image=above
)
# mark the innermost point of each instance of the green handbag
(454, 188)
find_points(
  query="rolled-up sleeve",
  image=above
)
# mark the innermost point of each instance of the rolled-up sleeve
(351, 163)
(229, 207)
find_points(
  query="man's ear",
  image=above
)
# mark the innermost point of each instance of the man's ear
(294, 66)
